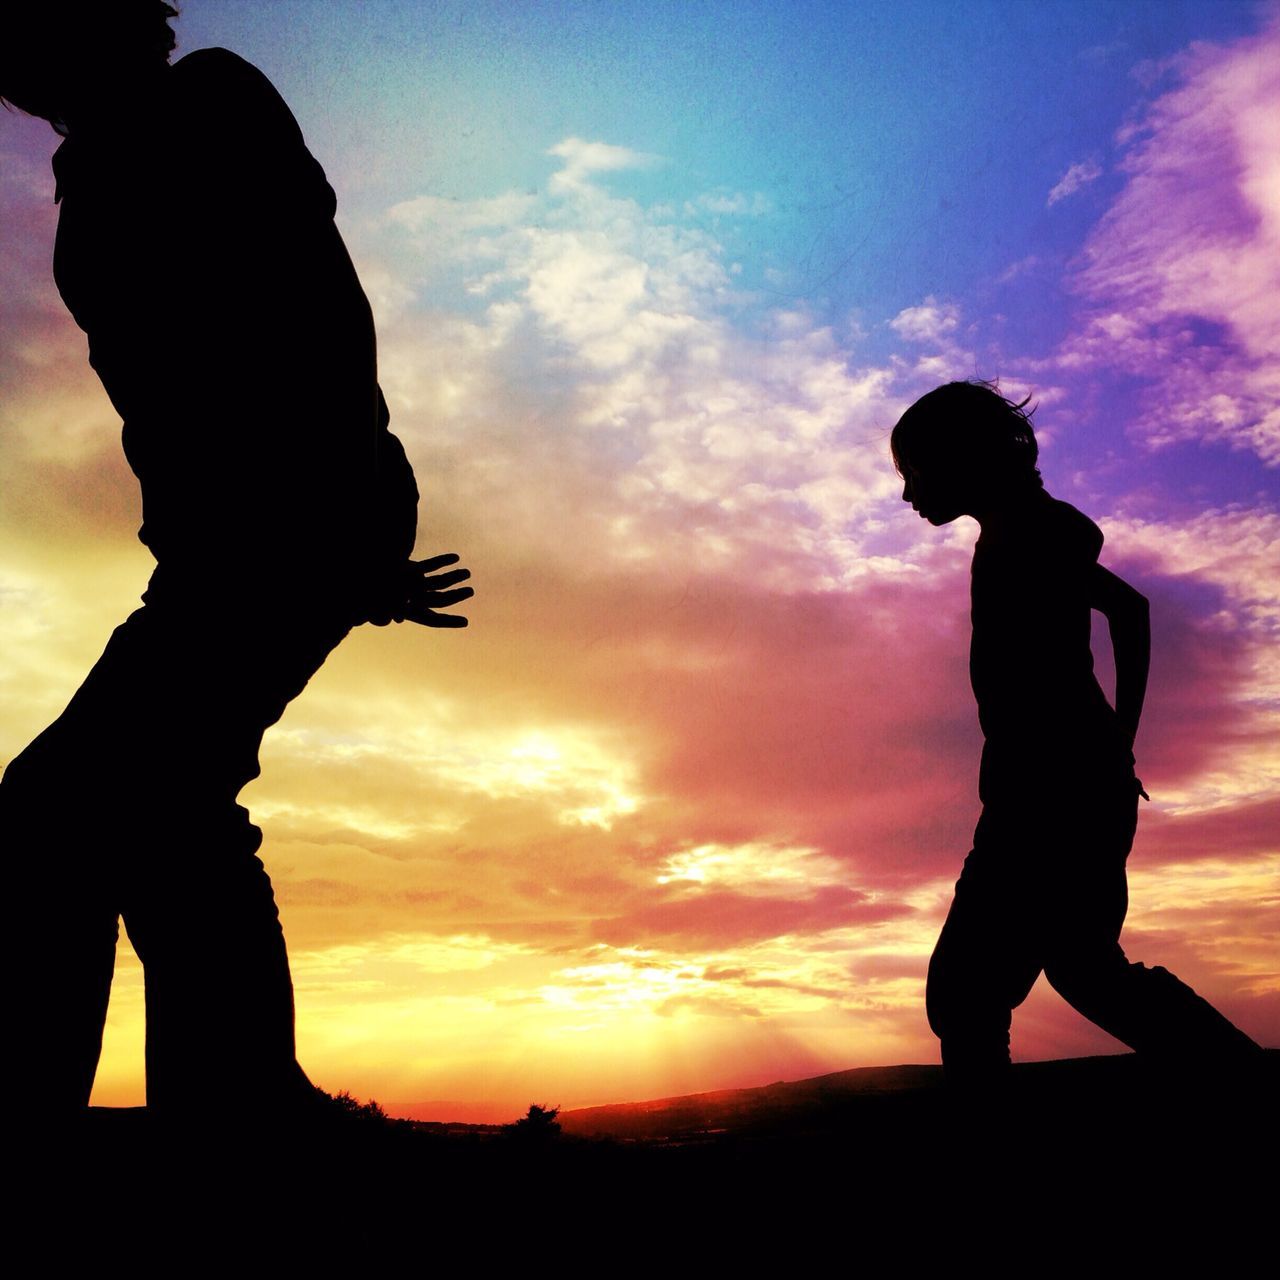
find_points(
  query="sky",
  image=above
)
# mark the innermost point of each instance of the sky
(683, 806)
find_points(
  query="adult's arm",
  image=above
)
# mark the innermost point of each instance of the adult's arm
(277, 332)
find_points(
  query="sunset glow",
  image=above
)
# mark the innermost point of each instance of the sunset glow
(682, 808)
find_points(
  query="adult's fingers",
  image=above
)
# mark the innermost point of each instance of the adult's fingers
(444, 599)
(428, 618)
(443, 579)
(435, 562)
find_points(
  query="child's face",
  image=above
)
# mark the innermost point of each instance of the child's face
(937, 494)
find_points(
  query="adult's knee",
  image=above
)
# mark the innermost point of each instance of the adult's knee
(940, 997)
(52, 801)
(33, 773)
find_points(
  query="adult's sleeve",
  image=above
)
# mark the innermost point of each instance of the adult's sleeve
(276, 329)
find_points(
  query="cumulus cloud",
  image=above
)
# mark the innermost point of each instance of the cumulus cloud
(755, 448)
(931, 321)
(933, 327)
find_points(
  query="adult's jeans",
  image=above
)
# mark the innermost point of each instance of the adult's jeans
(126, 807)
(1044, 889)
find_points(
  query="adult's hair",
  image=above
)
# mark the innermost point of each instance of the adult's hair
(51, 48)
(969, 427)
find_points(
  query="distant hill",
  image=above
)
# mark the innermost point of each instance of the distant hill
(1067, 1096)
(667, 1119)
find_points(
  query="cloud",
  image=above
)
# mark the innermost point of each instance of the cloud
(757, 866)
(583, 159)
(931, 321)
(454, 219)
(933, 326)
(1232, 835)
(708, 747)
(735, 203)
(1216, 671)
(1015, 270)
(1212, 917)
(715, 430)
(720, 919)
(1076, 177)
(1182, 272)
(1233, 548)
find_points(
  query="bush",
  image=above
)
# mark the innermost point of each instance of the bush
(353, 1107)
(539, 1125)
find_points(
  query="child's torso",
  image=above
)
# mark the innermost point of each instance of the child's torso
(1042, 711)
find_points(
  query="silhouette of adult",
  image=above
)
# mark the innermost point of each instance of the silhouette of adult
(1044, 887)
(197, 250)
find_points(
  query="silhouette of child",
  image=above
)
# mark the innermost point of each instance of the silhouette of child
(1044, 886)
(197, 250)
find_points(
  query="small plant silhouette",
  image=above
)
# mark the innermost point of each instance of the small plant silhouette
(539, 1125)
(370, 1111)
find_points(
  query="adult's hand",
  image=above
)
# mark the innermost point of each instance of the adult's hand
(416, 592)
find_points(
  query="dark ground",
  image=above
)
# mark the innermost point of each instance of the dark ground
(1079, 1156)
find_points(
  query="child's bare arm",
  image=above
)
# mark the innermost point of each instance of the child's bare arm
(1128, 618)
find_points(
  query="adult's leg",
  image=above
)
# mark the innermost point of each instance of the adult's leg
(62, 923)
(213, 673)
(219, 996)
(985, 961)
(67, 820)
(1148, 1009)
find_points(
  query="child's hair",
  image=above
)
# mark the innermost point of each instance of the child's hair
(971, 428)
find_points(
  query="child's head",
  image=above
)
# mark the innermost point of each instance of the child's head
(967, 444)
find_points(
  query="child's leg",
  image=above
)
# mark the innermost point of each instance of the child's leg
(985, 961)
(1146, 1008)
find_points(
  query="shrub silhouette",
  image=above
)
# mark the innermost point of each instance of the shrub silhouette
(343, 1103)
(540, 1125)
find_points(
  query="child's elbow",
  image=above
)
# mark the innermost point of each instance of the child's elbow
(1138, 608)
